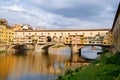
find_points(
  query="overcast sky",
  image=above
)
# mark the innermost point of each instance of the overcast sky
(60, 14)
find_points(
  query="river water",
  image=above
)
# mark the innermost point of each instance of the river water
(29, 65)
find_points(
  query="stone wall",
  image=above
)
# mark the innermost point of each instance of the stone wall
(116, 32)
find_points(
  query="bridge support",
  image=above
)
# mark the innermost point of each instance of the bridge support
(74, 48)
(80, 52)
(93, 47)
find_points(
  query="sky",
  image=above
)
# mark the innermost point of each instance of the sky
(60, 14)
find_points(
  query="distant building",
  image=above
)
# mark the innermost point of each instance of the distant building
(26, 27)
(16, 27)
(3, 22)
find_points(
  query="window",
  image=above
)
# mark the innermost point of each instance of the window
(104, 42)
(91, 33)
(106, 32)
(98, 33)
(81, 35)
(82, 38)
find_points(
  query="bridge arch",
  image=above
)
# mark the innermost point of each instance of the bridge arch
(49, 39)
(55, 39)
(17, 47)
(61, 39)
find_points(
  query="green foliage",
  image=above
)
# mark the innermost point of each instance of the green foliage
(95, 62)
(109, 68)
(59, 78)
(106, 68)
(58, 46)
(78, 69)
(105, 49)
(106, 72)
(114, 59)
(118, 78)
(69, 71)
(2, 52)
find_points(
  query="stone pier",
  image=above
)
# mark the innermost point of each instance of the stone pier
(76, 48)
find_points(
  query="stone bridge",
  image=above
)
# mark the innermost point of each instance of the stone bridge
(43, 47)
(36, 47)
(94, 36)
(75, 48)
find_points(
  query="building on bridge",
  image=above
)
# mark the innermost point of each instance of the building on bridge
(92, 36)
(24, 34)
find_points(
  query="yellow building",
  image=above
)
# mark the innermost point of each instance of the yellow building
(86, 40)
(107, 39)
(74, 39)
(68, 40)
(16, 27)
(81, 39)
(110, 37)
(6, 34)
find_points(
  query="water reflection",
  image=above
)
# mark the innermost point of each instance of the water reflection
(30, 64)
(90, 53)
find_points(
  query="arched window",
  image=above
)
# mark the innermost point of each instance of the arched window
(61, 39)
(55, 39)
(49, 39)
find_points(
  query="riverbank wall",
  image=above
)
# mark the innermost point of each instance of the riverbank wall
(116, 32)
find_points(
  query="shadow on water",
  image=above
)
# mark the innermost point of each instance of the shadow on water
(21, 52)
(46, 49)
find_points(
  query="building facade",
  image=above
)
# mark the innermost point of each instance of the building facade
(6, 34)
(24, 34)
(95, 36)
